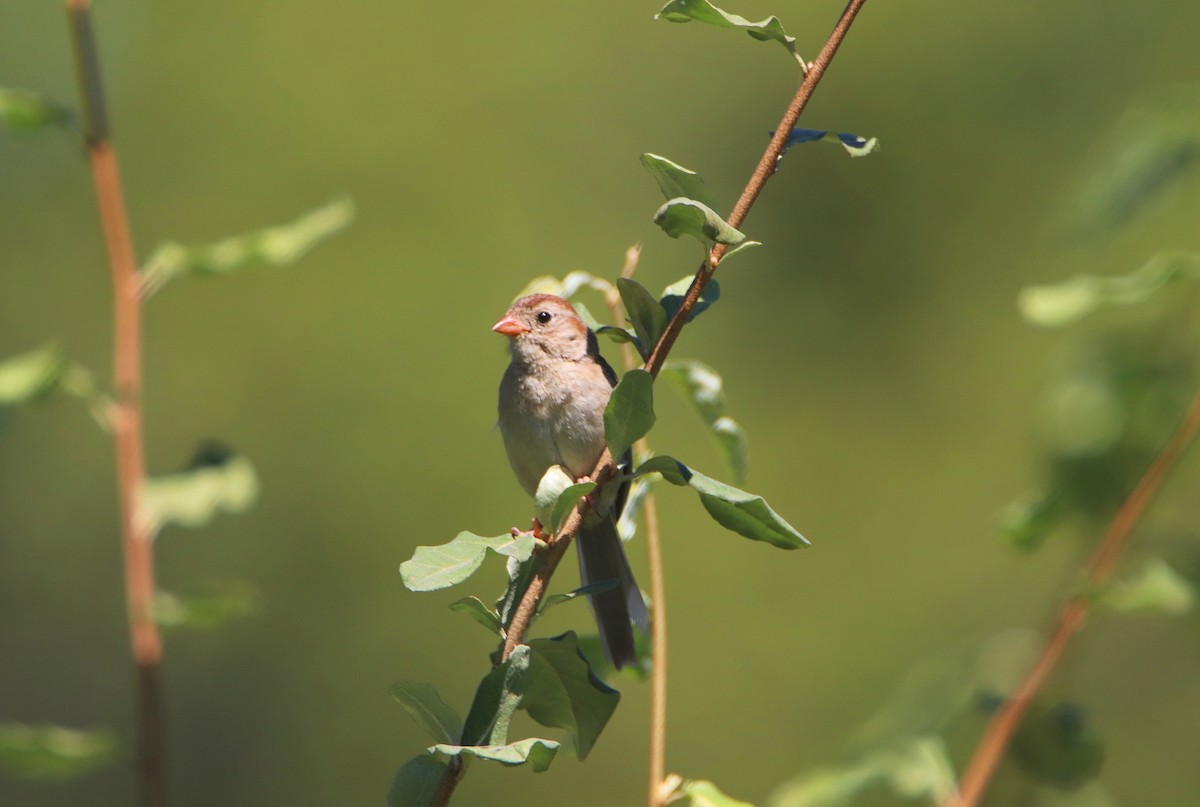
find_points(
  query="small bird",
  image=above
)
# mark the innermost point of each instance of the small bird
(552, 401)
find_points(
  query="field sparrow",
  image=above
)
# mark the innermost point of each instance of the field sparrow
(552, 403)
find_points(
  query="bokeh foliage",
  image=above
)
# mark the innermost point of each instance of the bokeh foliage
(872, 348)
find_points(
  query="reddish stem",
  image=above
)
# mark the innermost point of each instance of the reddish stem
(999, 732)
(126, 414)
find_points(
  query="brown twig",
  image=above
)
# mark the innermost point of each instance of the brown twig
(126, 415)
(998, 734)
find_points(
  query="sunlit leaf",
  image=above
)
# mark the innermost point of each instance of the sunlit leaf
(1073, 299)
(416, 783)
(744, 513)
(566, 503)
(629, 415)
(209, 609)
(538, 753)
(551, 487)
(703, 11)
(1157, 587)
(622, 335)
(672, 297)
(918, 768)
(567, 286)
(31, 376)
(274, 246)
(425, 705)
(435, 567)
(682, 216)
(855, 145)
(646, 314)
(562, 692)
(478, 611)
(703, 388)
(27, 111)
(216, 481)
(53, 752)
(674, 180)
(700, 793)
(638, 490)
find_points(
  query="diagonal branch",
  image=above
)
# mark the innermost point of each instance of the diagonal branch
(996, 738)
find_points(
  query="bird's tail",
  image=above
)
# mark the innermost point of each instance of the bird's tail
(601, 558)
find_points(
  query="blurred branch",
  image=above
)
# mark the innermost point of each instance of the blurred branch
(1073, 615)
(657, 769)
(126, 414)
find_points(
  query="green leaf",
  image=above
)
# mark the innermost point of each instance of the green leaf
(477, 610)
(31, 376)
(27, 111)
(646, 314)
(562, 692)
(705, 794)
(550, 487)
(674, 180)
(216, 480)
(918, 768)
(1027, 520)
(568, 286)
(855, 145)
(212, 608)
(629, 415)
(703, 388)
(672, 297)
(520, 575)
(682, 216)
(622, 335)
(1054, 745)
(496, 700)
(1157, 587)
(639, 489)
(703, 11)
(593, 650)
(274, 246)
(425, 706)
(566, 503)
(53, 752)
(744, 513)
(435, 567)
(583, 591)
(538, 753)
(1071, 300)
(416, 783)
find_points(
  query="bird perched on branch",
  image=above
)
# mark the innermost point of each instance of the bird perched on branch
(552, 401)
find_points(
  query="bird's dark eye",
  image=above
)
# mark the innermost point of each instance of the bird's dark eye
(544, 317)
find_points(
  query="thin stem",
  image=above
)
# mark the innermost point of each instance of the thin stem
(126, 415)
(657, 767)
(998, 734)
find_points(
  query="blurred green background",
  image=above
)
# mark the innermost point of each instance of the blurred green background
(872, 349)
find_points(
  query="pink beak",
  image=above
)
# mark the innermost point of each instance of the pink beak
(509, 326)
